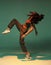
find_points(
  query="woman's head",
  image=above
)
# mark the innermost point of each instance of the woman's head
(35, 17)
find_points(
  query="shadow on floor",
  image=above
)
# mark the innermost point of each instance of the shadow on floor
(40, 52)
(35, 55)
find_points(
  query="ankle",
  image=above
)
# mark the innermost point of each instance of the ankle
(8, 28)
(27, 53)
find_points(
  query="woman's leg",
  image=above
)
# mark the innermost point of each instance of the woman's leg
(22, 43)
(11, 24)
(14, 22)
(23, 47)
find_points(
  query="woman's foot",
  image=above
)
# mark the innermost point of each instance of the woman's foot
(6, 31)
(28, 56)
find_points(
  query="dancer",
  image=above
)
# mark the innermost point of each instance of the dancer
(25, 29)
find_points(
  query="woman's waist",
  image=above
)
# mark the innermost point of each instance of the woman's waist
(24, 28)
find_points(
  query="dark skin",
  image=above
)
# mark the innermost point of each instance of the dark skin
(31, 28)
(26, 28)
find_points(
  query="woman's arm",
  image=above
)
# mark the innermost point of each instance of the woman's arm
(29, 30)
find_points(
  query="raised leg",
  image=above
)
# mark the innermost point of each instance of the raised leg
(11, 24)
(14, 22)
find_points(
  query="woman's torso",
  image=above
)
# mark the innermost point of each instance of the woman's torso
(26, 26)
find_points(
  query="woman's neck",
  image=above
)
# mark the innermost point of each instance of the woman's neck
(30, 18)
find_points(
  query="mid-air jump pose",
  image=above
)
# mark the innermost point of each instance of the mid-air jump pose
(25, 28)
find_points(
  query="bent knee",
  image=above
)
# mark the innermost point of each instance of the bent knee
(14, 19)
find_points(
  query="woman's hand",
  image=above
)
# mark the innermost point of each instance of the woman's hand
(23, 36)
